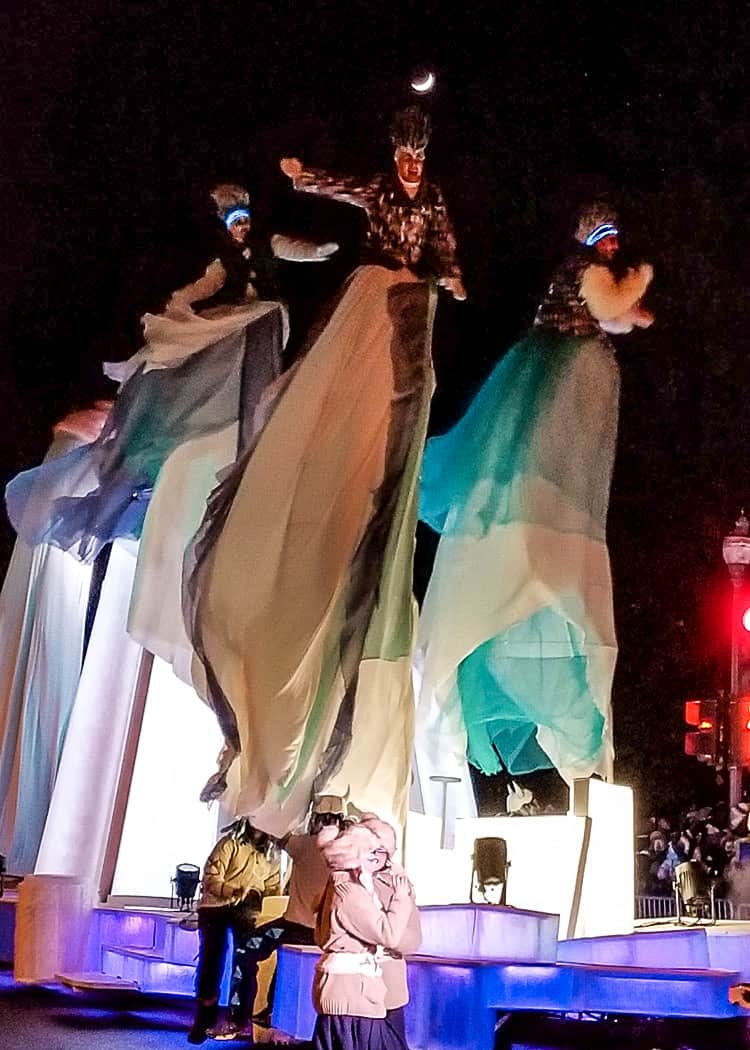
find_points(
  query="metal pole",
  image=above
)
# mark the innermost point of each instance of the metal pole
(736, 554)
(734, 675)
(447, 822)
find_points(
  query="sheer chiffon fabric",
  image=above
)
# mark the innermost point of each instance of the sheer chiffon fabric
(299, 598)
(42, 623)
(190, 417)
(100, 491)
(517, 627)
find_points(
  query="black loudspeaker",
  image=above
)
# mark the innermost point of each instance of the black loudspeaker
(490, 867)
(3, 869)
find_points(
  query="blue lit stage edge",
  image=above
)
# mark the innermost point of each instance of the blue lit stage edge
(500, 959)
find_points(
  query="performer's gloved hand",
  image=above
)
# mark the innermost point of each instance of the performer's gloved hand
(291, 166)
(325, 251)
(455, 286)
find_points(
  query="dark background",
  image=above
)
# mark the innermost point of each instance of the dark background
(118, 116)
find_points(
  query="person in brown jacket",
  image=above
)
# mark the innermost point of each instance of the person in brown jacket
(353, 929)
(242, 868)
(393, 963)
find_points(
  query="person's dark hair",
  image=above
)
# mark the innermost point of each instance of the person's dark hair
(246, 833)
(318, 821)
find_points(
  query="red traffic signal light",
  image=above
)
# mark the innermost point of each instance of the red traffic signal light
(702, 742)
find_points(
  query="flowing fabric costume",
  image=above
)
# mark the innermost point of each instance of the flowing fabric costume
(185, 408)
(189, 380)
(42, 620)
(517, 628)
(301, 596)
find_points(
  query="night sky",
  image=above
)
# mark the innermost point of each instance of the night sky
(118, 116)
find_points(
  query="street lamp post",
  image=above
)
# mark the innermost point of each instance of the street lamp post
(736, 552)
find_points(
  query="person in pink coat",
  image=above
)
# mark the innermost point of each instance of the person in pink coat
(354, 929)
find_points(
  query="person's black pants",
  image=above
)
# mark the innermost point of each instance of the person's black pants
(251, 951)
(214, 925)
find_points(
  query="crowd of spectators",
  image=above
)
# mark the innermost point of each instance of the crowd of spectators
(712, 837)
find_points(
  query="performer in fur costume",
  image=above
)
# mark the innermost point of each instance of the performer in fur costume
(301, 600)
(517, 626)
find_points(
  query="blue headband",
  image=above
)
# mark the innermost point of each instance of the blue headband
(604, 229)
(234, 215)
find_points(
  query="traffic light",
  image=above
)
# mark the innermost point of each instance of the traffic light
(702, 741)
(741, 641)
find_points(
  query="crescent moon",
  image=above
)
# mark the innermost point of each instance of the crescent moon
(425, 84)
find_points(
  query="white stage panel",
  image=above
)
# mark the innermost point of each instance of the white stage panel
(165, 823)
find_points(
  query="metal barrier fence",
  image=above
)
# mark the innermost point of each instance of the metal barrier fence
(656, 907)
(647, 907)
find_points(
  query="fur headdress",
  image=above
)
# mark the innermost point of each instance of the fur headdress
(331, 804)
(228, 196)
(596, 221)
(411, 128)
(384, 833)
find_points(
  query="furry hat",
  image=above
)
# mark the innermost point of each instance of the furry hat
(345, 850)
(411, 128)
(323, 804)
(384, 833)
(596, 220)
(228, 196)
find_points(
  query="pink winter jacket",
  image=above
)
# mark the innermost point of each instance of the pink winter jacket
(393, 963)
(350, 927)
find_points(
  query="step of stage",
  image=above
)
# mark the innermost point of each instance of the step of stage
(161, 933)
(489, 931)
(671, 949)
(97, 982)
(148, 968)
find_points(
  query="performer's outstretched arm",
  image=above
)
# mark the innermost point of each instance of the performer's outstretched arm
(298, 249)
(350, 189)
